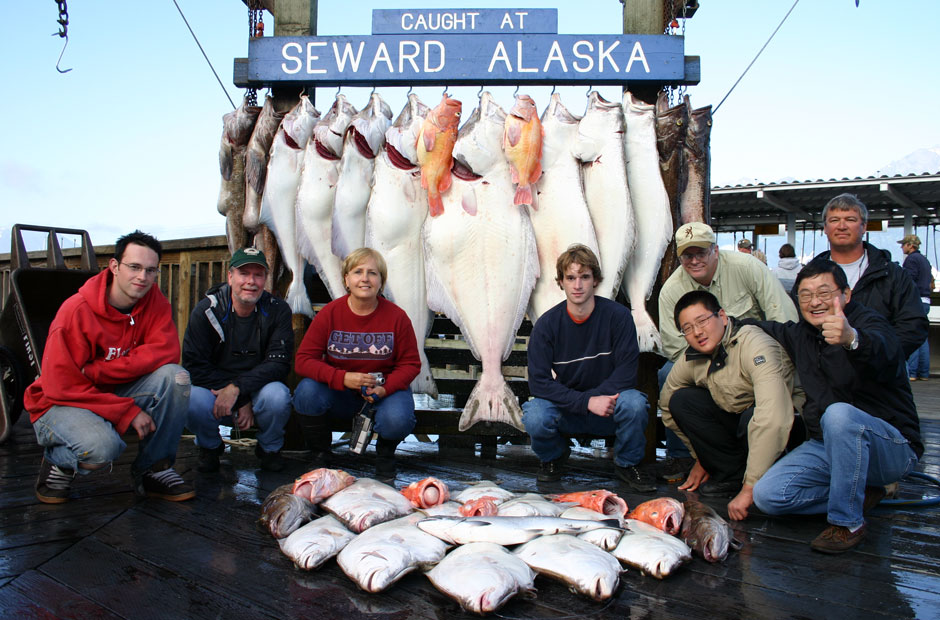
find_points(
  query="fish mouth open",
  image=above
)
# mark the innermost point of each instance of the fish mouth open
(324, 152)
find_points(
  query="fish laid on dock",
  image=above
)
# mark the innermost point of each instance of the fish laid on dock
(602, 501)
(482, 577)
(282, 512)
(651, 550)
(706, 533)
(366, 503)
(530, 505)
(664, 513)
(316, 542)
(586, 569)
(426, 493)
(321, 483)
(487, 488)
(505, 530)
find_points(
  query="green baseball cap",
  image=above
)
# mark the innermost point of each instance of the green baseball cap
(248, 256)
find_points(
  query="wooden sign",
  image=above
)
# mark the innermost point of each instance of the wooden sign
(464, 21)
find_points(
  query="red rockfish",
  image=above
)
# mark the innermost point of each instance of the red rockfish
(522, 143)
(435, 151)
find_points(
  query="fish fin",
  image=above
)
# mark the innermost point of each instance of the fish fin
(429, 138)
(226, 161)
(516, 179)
(613, 524)
(445, 182)
(536, 172)
(256, 170)
(297, 296)
(469, 203)
(523, 195)
(491, 404)
(529, 274)
(647, 335)
(513, 133)
(435, 204)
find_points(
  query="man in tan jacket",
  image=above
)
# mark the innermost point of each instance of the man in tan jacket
(730, 398)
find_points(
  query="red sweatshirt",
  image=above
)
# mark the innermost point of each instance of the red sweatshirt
(339, 340)
(92, 347)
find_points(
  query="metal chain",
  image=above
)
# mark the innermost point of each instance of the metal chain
(63, 31)
(255, 29)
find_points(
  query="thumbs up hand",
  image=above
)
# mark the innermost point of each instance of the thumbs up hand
(836, 328)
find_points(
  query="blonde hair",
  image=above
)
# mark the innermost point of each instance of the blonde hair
(582, 255)
(357, 257)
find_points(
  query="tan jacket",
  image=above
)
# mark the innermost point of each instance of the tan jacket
(758, 373)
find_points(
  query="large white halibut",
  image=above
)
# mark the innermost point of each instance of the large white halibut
(280, 193)
(397, 209)
(482, 262)
(653, 217)
(600, 147)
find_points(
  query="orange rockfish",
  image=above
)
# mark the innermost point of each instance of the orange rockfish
(601, 501)
(435, 151)
(664, 513)
(426, 493)
(319, 484)
(522, 143)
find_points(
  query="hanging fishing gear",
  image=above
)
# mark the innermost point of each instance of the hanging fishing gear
(255, 30)
(63, 32)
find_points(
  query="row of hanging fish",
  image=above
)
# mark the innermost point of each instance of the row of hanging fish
(471, 218)
(378, 534)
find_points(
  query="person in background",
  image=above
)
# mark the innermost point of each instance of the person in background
(917, 265)
(744, 288)
(745, 246)
(875, 280)
(349, 341)
(237, 349)
(582, 375)
(110, 365)
(787, 267)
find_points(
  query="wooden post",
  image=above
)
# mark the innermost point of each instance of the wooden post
(184, 292)
(644, 17)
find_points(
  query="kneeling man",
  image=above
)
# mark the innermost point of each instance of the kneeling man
(730, 399)
(859, 412)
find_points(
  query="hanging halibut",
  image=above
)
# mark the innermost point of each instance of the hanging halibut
(364, 138)
(237, 126)
(482, 262)
(562, 217)
(694, 174)
(522, 142)
(600, 147)
(397, 209)
(316, 192)
(653, 217)
(280, 194)
(256, 162)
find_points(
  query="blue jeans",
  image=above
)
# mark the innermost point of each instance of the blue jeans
(394, 415)
(674, 446)
(918, 364)
(545, 423)
(270, 405)
(830, 476)
(71, 435)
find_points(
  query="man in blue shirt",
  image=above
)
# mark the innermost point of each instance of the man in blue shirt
(916, 264)
(582, 375)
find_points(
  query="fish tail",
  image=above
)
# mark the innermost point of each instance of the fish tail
(523, 195)
(491, 401)
(297, 298)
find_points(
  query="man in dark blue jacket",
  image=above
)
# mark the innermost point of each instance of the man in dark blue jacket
(582, 374)
(859, 412)
(917, 265)
(237, 349)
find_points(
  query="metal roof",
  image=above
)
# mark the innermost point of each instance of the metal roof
(888, 198)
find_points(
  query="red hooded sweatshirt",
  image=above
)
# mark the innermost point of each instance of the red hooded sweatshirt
(92, 347)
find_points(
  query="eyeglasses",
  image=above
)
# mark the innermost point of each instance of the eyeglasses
(698, 323)
(688, 257)
(823, 294)
(134, 268)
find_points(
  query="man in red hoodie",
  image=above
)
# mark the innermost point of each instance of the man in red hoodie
(110, 364)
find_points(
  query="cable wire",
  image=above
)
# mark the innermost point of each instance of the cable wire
(185, 21)
(755, 58)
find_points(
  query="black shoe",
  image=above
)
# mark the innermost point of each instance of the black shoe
(873, 497)
(54, 483)
(638, 480)
(385, 467)
(728, 488)
(163, 482)
(209, 459)
(674, 469)
(837, 539)
(551, 471)
(270, 461)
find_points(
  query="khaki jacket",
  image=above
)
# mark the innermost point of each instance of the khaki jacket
(757, 372)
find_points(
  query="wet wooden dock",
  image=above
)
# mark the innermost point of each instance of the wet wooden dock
(107, 554)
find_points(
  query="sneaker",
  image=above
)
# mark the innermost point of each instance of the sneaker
(270, 461)
(837, 539)
(728, 488)
(54, 483)
(551, 471)
(165, 484)
(674, 469)
(636, 479)
(209, 459)
(873, 497)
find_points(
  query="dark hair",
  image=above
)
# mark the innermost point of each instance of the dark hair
(695, 297)
(818, 267)
(582, 255)
(787, 251)
(846, 202)
(140, 238)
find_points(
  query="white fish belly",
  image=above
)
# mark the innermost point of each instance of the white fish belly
(530, 505)
(316, 542)
(651, 550)
(484, 488)
(314, 213)
(395, 216)
(352, 196)
(482, 577)
(587, 569)
(366, 503)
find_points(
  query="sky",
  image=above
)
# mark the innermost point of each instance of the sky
(129, 138)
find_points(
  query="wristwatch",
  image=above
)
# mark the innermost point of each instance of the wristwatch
(854, 344)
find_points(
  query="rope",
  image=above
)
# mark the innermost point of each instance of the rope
(917, 503)
(185, 21)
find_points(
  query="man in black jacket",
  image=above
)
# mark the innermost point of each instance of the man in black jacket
(875, 280)
(859, 412)
(237, 349)
(917, 265)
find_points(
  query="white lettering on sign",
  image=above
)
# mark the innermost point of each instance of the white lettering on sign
(347, 55)
(296, 59)
(410, 57)
(311, 57)
(555, 55)
(381, 55)
(601, 55)
(589, 59)
(508, 21)
(427, 56)
(500, 54)
(519, 61)
(637, 54)
(438, 21)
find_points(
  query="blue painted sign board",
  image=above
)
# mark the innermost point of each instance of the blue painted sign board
(385, 60)
(464, 21)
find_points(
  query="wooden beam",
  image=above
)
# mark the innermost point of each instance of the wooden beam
(782, 205)
(901, 199)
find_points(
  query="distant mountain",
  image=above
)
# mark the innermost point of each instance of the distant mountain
(918, 162)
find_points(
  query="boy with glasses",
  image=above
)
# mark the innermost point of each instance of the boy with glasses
(110, 364)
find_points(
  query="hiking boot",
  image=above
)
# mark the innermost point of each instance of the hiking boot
(551, 471)
(728, 488)
(318, 438)
(674, 469)
(162, 481)
(270, 461)
(873, 497)
(208, 461)
(837, 539)
(53, 483)
(385, 467)
(637, 480)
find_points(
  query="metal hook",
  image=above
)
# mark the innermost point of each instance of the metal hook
(410, 88)
(588, 93)
(515, 92)
(66, 44)
(445, 90)
(553, 90)
(373, 90)
(480, 92)
(339, 88)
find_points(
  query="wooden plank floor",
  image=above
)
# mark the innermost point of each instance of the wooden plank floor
(107, 554)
